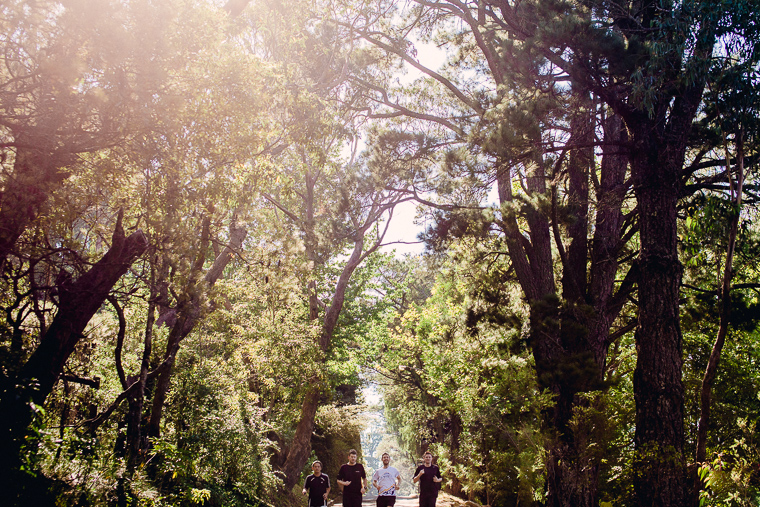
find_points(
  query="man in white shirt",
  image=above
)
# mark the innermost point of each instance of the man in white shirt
(387, 480)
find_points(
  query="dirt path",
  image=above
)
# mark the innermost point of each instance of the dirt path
(444, 500)
(400, 502)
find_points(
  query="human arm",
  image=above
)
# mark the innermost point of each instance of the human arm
(437, 477)
(418, 473)
(363, 480)
(341, 479)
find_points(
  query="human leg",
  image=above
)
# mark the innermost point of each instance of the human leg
(352, 500)
(386, 501)
(428, 500)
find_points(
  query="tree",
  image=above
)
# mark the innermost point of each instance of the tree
(648, 63)
(737, 117)
(458, 382)
(335, 208)
(69, 84)
(80, 299)
(501, 123)
(352, 221)
(75, 80)
(90, 87)
(200, 169)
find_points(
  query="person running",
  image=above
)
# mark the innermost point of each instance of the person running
(429, 477)
(317, 485)
(353, 478)
(387, 480)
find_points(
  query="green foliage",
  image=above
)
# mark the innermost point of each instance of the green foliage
(736, 386)
(732, 477)
(451, 385)
(337, 431)
(186, 118)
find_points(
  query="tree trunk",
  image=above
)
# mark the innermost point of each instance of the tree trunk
(607, 240)
(580, 163)
(185, 323)
(586, 315)
(135, 434)
(300, 447)
(569, 341)
(189, 314)
(659, 478)
(711, 370)
(35, 173)
(78, 302)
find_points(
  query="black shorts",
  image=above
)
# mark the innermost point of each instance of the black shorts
(352, 500)
(313, 502)
(428, 499)
(386, 501)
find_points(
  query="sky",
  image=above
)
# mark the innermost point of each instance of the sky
(402, 228)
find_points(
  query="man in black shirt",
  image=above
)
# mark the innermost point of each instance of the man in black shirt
(317, 485)
(353, 478)
(429, 477)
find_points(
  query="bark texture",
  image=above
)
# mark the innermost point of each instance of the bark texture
(656, 161)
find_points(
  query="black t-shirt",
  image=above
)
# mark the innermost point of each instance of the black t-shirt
(427, 485)
(353, 473)
(317, 487)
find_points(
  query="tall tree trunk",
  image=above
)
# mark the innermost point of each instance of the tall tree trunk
(135, 433)
(659, 478)
(78, 302)
(189, 313)
(711, 369)
(659, 139)
(300, 447)
(573, 467)
(580, 163)
(607, 240)
(570, 341)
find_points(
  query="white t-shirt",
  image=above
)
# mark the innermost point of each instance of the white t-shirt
(386, 479)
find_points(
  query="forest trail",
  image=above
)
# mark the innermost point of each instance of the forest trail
(444, 500)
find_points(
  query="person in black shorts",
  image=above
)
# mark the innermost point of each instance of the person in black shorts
(317, 486)
(387, 480)
(429, 477)
(353, 478)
